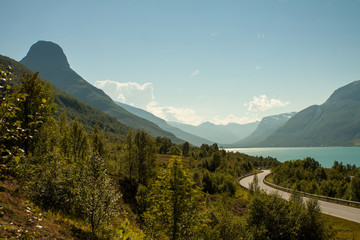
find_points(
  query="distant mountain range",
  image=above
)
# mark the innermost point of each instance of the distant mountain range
(221, 134)
(267, 126)
(334, 123)
(195, 140)
(49, 59)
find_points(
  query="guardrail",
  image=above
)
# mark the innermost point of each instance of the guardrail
(347, 202)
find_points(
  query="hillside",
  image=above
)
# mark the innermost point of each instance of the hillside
(192, 139)
(49, 59)
(222, 134)
(74, 108)
(267, 126)
(334, 123)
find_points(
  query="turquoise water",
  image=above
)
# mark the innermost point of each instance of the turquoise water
(324, 155)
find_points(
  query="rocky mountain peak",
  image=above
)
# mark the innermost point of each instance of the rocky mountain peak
(44, 54)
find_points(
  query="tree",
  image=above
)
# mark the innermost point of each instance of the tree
(271, 217)
(98, 195)
(354, 188)
(223, 224)
(130, 159)
(10, 124)
(78, 142)
(215, 161)
(185, 149)
(23, 110)
(144, 156)
(97, 141)
(36, 108)
(174, 202)
(163, 144)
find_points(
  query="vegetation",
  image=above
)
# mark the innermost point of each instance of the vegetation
(341, 181)
(271, 217)
(98, 185)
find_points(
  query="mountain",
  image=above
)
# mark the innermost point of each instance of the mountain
(192, 139)
(334, 123)
(223, 134)
(49, 59)
(87, 115)
(267, 126)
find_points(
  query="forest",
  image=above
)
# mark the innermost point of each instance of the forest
(106, 186)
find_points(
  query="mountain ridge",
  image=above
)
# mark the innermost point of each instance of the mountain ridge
(221, 134)
(192, 139)
(49, 59)
(266, 127)
(333, 123)
(74, 108)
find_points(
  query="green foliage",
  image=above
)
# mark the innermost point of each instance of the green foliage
(223, 223)
(36, 107)
(354, 188)
(97, 194)
(271, 217)
(308, 176)
(185, 149)
(174, 203)
(175, 150)
(126, 233)
(163, 144)
(67, 173)
(98, 141)
(10, 124)
(139, 156)
(24, 108)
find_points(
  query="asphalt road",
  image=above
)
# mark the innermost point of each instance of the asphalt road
(337, 210)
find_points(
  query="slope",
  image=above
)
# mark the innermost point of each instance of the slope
(74, 108)
(192, 139)
(267, 126)
(334, 123)
(49, 59)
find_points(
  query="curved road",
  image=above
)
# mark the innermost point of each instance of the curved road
(337, 210)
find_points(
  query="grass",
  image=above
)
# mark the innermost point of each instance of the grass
(20, 218)
(344, 229)
(162, 160)
(269, 178)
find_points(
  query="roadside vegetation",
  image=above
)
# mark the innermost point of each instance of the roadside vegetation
(61, 180)
(340, 181)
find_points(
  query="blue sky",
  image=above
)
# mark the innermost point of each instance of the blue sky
(195, 61)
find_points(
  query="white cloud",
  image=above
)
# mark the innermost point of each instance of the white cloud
(131, 93)
(142, 96)
(196, 72)
(168, 113)
(262, 103)
(257, 67)
(234, 119)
